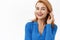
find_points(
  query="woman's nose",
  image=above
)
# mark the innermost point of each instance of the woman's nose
(39, 10)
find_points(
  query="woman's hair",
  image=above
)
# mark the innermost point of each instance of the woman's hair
(49, 8)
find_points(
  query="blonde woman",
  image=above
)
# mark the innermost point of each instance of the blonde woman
(43, 27)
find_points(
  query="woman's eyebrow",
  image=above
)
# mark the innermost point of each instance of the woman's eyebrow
(37, 7)
(42, 7)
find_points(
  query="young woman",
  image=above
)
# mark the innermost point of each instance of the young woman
(43, 27)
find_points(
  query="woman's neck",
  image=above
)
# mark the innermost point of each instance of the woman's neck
(41, 21)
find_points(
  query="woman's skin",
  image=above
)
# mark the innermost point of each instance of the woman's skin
(41, 13)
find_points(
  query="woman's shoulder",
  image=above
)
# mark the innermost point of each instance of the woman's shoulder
(54, 26)
(29, 25)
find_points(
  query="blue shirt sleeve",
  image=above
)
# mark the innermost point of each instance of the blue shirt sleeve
(50, 32)
(28, 31)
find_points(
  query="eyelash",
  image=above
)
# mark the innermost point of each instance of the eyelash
(37, 8)
(41, 9)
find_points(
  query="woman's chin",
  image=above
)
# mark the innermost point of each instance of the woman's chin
(40, 17)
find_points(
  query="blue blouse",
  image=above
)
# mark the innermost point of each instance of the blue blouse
(32, 33)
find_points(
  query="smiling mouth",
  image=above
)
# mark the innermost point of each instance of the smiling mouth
(40, 14)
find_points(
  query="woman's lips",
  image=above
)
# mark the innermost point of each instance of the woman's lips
(40, 14)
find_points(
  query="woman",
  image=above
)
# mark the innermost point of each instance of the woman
(43, 27)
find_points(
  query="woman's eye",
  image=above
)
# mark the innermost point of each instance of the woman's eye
(37, 8)
(43, 8)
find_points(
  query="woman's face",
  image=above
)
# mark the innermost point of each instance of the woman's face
(41, 11)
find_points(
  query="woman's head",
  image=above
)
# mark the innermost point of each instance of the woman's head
(43, 8)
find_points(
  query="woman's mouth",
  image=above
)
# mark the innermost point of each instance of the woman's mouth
(40, 14)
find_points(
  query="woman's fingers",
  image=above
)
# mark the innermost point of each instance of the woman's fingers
(52, 16)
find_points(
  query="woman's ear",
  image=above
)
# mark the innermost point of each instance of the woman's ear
(47, 12)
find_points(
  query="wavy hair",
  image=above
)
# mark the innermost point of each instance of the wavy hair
(49, 8)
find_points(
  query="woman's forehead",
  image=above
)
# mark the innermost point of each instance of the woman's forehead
(40, 4)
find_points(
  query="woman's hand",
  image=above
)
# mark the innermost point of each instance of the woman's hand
(50, 18)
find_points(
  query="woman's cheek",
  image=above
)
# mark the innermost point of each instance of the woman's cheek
(45, 14)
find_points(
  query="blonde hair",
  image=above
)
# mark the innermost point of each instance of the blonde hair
(49, 8)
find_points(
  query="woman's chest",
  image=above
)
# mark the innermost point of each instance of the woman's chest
(36, 35)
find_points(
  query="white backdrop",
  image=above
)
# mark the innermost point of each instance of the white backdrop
(14, 14)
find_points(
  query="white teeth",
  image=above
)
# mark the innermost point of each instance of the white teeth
(40, 14)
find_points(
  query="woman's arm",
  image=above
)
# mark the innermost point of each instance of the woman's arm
(28, 31)
(50, 32)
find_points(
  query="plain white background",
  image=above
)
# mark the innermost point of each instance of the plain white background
(14, 14)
